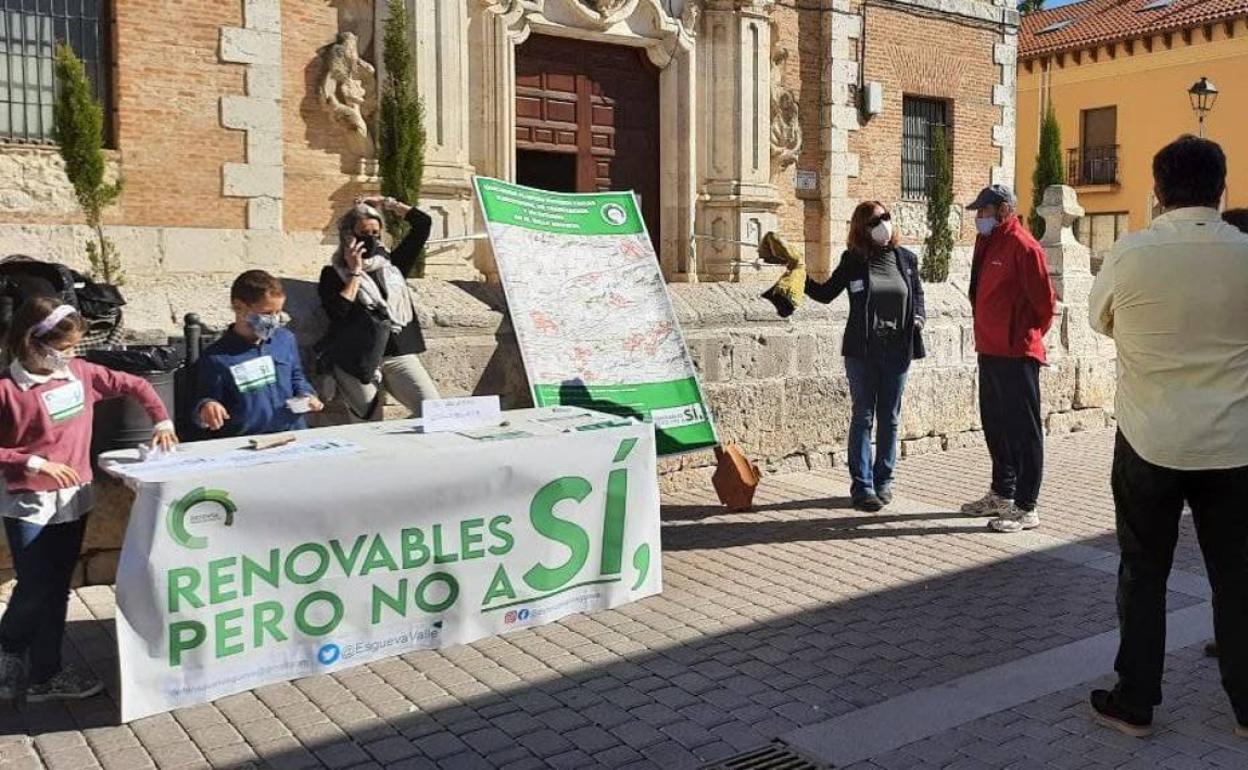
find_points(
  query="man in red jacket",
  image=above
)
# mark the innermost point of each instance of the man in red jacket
(1013, 302)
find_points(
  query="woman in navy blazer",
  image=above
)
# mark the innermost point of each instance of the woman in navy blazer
(883, 335)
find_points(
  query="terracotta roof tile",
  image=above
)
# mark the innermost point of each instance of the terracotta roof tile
(1102, 21)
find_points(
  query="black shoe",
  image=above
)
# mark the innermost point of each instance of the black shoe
(1108, 711)
(870, 504)
(1211, 650)
(885, 493)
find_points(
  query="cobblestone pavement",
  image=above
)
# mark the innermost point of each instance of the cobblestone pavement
(771, 623)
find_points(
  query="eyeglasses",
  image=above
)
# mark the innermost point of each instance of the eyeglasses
(885, 217)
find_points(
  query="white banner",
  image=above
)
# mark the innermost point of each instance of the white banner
(249, 575)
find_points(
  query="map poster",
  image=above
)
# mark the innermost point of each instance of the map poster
(591, 311)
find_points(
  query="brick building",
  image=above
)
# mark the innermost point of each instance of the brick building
(729, 117)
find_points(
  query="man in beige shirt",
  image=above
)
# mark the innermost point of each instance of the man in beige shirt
(1175, 299)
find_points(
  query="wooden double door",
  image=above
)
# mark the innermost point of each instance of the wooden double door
(587, 120)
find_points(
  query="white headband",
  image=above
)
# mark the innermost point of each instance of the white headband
(55, 317)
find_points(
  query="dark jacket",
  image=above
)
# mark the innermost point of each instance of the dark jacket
(854, 274)
(255, 408)
(1011, 294)
(358, 337)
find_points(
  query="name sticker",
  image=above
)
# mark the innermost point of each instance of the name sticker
(254, 374)
(856, 286)
(65, 402)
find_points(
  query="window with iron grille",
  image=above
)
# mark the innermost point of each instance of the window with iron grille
(29, 33)
(919, 117)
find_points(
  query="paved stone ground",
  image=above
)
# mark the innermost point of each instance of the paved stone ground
(770, 624)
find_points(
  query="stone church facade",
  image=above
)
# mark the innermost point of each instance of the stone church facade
(241, 128)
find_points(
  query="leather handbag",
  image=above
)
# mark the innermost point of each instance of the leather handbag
(735, 478)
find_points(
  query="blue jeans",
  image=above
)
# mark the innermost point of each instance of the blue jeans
(876, 383)
(34, 623)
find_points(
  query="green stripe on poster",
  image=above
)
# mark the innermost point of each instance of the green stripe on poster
(676, 408)
(563, 213)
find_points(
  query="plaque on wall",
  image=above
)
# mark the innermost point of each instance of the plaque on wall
(806, 184)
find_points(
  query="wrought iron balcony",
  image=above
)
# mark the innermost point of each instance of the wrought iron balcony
(1092, 165)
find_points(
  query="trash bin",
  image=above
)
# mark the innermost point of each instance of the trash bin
(121, 423)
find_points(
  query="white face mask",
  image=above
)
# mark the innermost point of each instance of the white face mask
(985, 225)
(882, 233)
(54, 359)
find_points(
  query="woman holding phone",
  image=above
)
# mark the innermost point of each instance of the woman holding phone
(374, 340)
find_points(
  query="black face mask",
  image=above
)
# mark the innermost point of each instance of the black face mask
(370, 244)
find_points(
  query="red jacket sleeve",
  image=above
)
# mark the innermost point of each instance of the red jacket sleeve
(1037, 287)
(108, 383)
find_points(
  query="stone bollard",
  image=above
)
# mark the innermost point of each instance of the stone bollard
(1069, 260)
(1070, 267)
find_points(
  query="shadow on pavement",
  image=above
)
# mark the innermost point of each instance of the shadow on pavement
(729, 534)
(695, 512)
(746, 644)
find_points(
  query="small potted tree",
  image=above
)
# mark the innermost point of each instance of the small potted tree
(401, 136)
(938, 248)
(78, 126)
(1049, 168)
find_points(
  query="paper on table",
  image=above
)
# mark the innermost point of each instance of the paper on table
(447, 414)
(172, 466)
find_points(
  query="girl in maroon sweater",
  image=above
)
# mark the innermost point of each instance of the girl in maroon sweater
(47, 399)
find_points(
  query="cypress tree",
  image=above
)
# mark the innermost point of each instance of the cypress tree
(1049, 168)
(939, 245)
(401, 137)
(78, 127)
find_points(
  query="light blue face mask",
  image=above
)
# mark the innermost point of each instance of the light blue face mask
(985, 225)
(265, 325)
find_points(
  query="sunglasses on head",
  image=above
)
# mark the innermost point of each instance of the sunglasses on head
(885, 217)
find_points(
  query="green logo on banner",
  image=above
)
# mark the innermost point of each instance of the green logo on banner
(614, 214)
(180, 511)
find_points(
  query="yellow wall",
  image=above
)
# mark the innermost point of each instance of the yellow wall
(1150, 92)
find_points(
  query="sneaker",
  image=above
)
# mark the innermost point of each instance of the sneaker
(1014, 519)
(990, 504)
(870, 504)
(1211, 650)
(70, 683)
(1107, 711)
(885, 493)
(12, 675)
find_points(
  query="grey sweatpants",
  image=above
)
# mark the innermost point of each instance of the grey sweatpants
(403, 377)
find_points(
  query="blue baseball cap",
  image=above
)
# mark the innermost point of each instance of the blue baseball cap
(993, 195)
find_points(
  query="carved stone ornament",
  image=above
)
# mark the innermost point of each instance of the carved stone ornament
(647, 21)
(786, 131)
(786, 126)
(608, 12)
(690, 16)
(349, 91)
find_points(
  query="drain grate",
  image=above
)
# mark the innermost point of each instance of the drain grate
(775, 756)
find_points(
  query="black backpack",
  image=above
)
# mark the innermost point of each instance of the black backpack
(22, 278)
(100, 304)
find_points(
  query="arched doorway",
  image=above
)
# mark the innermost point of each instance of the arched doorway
(587, 119)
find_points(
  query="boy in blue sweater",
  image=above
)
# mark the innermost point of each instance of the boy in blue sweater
(251, 380)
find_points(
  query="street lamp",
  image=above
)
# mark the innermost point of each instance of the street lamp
(1202, 94)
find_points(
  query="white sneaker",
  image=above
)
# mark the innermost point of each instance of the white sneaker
(990, 504)
(1014, 520)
